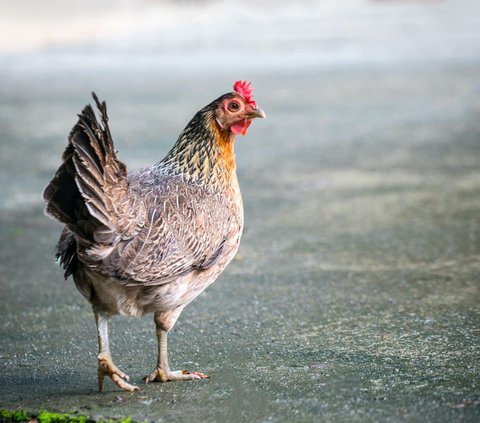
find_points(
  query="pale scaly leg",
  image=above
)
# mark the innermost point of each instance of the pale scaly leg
(163, 373)
(105, 363)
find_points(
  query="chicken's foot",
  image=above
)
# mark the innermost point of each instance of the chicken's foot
(163, 373)
(105, 363)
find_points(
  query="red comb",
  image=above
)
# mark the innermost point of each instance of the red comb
(243, 88)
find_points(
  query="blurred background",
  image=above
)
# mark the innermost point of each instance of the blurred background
(354, 296)
(157, 62)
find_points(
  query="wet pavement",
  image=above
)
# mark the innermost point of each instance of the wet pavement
(355, 294)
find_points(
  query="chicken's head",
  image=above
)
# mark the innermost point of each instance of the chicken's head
(236, 110)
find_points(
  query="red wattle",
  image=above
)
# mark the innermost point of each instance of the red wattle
(241, 127)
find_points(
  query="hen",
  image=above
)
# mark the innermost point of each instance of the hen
(151, 240)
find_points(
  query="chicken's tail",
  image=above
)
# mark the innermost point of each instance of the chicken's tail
(79, 194)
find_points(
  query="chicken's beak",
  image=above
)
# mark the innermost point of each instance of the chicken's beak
(257, 113)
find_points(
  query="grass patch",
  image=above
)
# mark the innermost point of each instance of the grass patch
(7, 416)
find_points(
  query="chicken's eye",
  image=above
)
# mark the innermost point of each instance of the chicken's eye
(233, 106)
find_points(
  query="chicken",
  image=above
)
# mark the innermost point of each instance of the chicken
(150, 241)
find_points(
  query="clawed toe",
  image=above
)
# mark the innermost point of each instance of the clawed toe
(107, 368)
(159, 375)
(195, 375)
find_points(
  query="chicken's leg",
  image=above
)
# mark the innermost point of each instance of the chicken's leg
(105, 363)
(163, 373)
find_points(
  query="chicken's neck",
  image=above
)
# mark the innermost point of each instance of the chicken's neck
(203, 154)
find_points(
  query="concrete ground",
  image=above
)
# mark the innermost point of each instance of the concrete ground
(355, 294)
